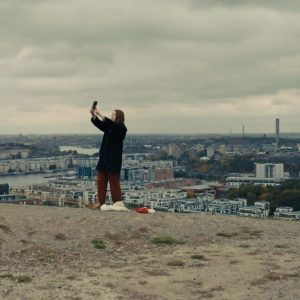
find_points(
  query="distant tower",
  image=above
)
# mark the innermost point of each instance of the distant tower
(243, 130)
(277, 134)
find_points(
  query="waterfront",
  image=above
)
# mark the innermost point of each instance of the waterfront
(21, 180)
(26, 171)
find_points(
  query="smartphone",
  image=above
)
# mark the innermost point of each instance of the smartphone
(94, 105)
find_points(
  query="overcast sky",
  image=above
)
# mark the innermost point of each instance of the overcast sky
(173, 66)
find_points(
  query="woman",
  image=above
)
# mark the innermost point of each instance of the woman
(110, 157)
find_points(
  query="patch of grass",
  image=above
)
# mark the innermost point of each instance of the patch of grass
(166, 240)
(175, 263)
(255, 233)
(255, 252)
(198, 257)
(22, 278)
(281, 246)
(245, 233)
(190, 283)
(25, 242)
(18, 278)
(156, 272)
(71, 277)
(60, 237)
(234, 262)
(31, 232)
(210, 293)
(272, 276)
(227, 234)
(251, 232)
(7, 275)
(99, 244)
(244, 245)
(5, 228)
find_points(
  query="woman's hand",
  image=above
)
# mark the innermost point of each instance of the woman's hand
(92, 112)
(97, 112)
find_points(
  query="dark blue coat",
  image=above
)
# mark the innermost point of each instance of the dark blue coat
(110, 153)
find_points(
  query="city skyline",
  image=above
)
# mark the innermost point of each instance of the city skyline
(182, 67)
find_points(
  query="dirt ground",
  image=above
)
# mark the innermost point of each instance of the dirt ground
(68, 253)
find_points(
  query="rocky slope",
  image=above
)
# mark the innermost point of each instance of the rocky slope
(67, 253)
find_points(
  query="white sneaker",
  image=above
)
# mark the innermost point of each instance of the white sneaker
(119, 205)
(106, 207)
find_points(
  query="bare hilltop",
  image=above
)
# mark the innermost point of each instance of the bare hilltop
(68, 253)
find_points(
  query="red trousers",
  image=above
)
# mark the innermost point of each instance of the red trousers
(114, 182)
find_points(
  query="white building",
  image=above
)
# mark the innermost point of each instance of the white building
(210, 151)
(259, 209)
(269, 170)
(156, 198)
(143, 171)
(226, 206)
(236, 182)
(265, 174)
(34, 164)
(287, 212)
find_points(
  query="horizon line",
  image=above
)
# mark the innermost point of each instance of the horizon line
(155, 133)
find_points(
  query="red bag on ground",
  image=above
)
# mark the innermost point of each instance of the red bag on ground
(144, 210)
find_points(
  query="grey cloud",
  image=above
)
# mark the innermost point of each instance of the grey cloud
(270, 4)
(141, 53)
(62, 60)
(150, 23)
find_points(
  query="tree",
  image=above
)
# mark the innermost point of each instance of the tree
(290, 184)
(290, 198)
(251, 198)
(232, 193)
(4, 188)
(190, 194)
(287, 194)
